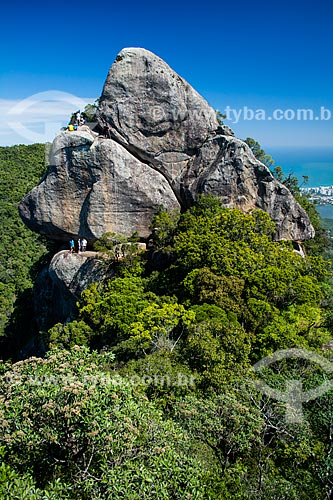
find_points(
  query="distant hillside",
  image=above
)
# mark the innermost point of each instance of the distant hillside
(21, 167)
(327, 224)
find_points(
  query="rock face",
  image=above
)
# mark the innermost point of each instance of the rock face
(94, 186)
(58, 286)
(154, 113)
(159, 143)
(233, 174)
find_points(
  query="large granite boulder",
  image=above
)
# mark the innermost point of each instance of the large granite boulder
(159, 143)
(154, 113)
(94, 186)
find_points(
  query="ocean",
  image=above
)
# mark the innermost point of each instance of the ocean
(325, 211)
(316, 163)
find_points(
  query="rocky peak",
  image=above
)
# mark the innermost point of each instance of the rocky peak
(159, 143)
(155, 114)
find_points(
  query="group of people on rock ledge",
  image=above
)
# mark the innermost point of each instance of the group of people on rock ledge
(77, 122)
(81, 245)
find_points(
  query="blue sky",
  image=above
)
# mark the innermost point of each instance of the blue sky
(258, 55)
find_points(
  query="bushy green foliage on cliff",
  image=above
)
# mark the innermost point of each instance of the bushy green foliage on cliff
(21, 168)
(189, 333)
(226, 259)
(160, 401)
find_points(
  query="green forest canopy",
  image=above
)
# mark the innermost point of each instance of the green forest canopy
(158, 400)
(21, 168)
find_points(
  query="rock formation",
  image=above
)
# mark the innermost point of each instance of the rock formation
(158, 143)
(59, 285)
(94, 186)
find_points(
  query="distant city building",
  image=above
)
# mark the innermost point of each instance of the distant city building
(323, 195)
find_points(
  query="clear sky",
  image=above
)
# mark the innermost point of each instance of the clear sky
(245, 54)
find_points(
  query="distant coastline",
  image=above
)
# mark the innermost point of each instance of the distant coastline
(322, 195)
(317, 165)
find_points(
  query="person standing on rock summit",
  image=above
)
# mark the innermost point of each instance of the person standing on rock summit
(72, 246)
(79, 245)
(84, 244)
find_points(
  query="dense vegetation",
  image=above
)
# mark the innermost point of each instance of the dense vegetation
(158, 402)
(21, 168)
